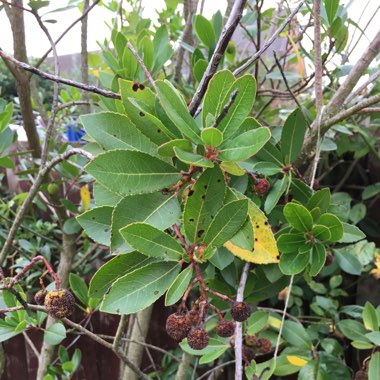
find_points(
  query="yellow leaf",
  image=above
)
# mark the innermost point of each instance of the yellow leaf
(265, 249)
(296, 360)
(85, 197)
(274, 322)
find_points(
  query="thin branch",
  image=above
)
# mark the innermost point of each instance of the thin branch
(226, 108)
(84, 14)
(269, 42)
(239, 326)
(209, 372)
(43, 74)
(72, 103)
(31, 344)
(142, 64)
(371, 80)
(225, 37)
(32, 193)
(120, 332)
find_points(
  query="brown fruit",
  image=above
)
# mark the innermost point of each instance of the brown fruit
(261, 187)
(60, 303)
(248, 354)
(198, 338)
(264, 345)
(240, 311)
(225, 328)
(39, 297)
(177, 326)
(193, 317)
(250, 340)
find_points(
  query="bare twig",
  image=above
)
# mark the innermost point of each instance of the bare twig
(142, 64)
(226, 108)
(84, 14)
(32, 193)
(120, 332)
(239, 326)
(43, 74)
(371, 79)
(31, 344)
(269, 42)
(228, 30)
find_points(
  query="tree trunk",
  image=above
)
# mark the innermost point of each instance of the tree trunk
(139, 332)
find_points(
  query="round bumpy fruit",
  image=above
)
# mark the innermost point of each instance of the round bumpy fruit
(225, 328)
(262, 187)
(248, 354)
(240, 311)
(264, 345)
(39, 297)
(198, 338)
(250, 340)
(178, 326)
(59, 303)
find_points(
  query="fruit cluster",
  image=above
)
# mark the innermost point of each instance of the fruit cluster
(190, 324)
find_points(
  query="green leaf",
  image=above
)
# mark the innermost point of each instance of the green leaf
(353, 330)
(71, 226)
(358, 212)
(370, 318)
(148, 52)
(7, 331)
(240, 108)
(176, 109)
(203, 202)
(166, 150)
(151, 241)
(97, 223)
(204, 30)
(296, 335)
(370, 191)
(6, 116)
(318, 259)
(331, 7)
(226, 223)
(245, 145)
(105, 197)
(348, 262)
(333, 224)
(114, 269)
(270, 153)
(193, 159)
(179, 286)
(6, 162)
(115, 131)
(161, 47)
(267, 168)
(256, 322)
(79, 288)
(232, 168)
(361, 345)
(132, 172)
(298, 217)
(290, 242)
(139, 289)
(199, 69)
(222, 258)
(55, 334)
(313, 370)
(321, 233)
(212, 137)
(351, 234)
(320, 199)
(292, 137)
(275, 194)
(211, 356)
(374, 366)
(374, 337)
(156, 209)
(300, 191)
(217, 88)
(295, 262)
(213, 345)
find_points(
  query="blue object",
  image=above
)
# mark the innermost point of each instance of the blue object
(74, 133)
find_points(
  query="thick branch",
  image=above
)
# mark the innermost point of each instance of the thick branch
(225, 37)
(239, 326)
(353, 77)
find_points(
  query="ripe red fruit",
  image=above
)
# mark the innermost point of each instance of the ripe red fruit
(240, 311)
(59, 303)
(225, 328)
(198, 338)
(261, 187)
(177, 326)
